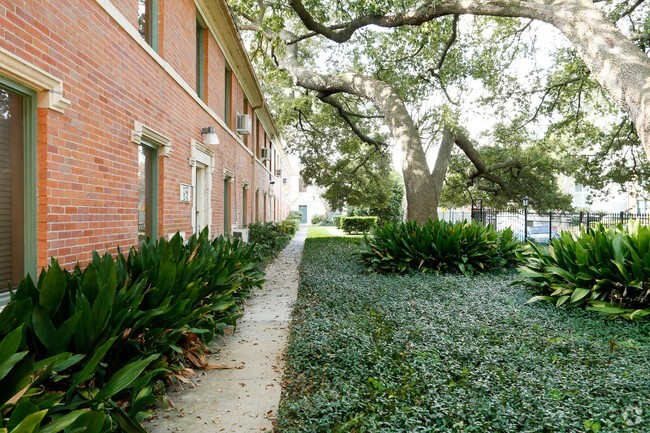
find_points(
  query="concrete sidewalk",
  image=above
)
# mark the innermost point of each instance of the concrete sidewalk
(243, 394)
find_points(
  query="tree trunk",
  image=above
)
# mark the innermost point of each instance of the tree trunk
(618, 65)
(422, 193)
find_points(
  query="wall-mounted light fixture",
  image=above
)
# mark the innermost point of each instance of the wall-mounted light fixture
(209, 136)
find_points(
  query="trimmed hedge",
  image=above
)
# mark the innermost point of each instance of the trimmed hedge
(438, 246)
(357, 224)
(606, 270)
(88, 350)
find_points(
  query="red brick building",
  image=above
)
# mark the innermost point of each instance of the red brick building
(102, 108)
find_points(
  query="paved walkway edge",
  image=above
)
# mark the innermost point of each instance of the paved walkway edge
(243, 395)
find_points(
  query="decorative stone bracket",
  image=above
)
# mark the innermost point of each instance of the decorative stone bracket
(49, 87)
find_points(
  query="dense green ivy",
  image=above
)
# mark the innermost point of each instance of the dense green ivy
(451, 353)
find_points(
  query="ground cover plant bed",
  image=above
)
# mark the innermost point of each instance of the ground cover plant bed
(452, 353)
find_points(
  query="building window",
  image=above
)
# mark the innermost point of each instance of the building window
(266, 208)
(228, 97)
(147, 192)
(227, 208)
(246, 112)
(151, 145)
(244, 206)
(257, 205)
(200, 58)
(148, 22)
(17, 183)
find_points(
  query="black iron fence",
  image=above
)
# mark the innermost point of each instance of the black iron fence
(541, 226)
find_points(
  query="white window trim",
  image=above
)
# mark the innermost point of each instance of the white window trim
(205, 156)
(49, 87)
(151, 136)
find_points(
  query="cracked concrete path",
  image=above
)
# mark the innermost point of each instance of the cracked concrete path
(243, 395)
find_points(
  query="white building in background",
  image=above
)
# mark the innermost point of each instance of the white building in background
(307, 200)
(613, 202)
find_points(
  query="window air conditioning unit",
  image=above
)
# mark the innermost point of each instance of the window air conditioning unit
(265, 153)
(278, 172)
(241, 234)
(244, 124)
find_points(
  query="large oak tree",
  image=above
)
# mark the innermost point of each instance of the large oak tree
(613, 59)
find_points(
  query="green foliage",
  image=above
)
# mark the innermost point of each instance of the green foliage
(438, 246)
(536, 177)
(449, 353)
(392, 211)
(271, 237)
(295, 215)
(317, 219)
(358, 224)
(88, 348)
(607, 270)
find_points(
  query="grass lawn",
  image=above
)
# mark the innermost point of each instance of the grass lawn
(427, 353)
(318, 232)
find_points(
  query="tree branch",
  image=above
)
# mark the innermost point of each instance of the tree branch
(346, 116)
(428, 11)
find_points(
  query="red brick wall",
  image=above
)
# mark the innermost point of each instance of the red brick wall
(216, 84)
(179, 39)
(87, 163)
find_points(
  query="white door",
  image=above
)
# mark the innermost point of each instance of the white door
(201, 197)
(202, 185)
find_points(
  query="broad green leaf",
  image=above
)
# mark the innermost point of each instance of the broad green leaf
(43, 326)
(126, 423)
(561, 300)
(30, 423)
(89, 422)
(124, 377)
(53, 289)
(15, 313)
(9, 346)
(90, 368)
(578, 294)
(61, 423)
(62, 336)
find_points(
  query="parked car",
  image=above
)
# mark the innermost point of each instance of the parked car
(541, 234)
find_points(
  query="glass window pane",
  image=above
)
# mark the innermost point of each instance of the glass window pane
(146, 159)
(12, 189)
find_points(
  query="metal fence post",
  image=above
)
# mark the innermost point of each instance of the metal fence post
(622, 216)
(550, 226)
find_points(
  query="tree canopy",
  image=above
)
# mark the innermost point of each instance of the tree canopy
(348, 80)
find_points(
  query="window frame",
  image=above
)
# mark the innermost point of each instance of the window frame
(200, 56)
(227, 109)
(155, 177)
(30, 170)
(153, 14)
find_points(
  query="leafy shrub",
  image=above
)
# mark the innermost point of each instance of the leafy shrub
(358, 224)
(271, 237)
(607, 270)
(317, 219)
(290, 226)
(337, 221)
(87, 337)
(438, 246)
(295, 215)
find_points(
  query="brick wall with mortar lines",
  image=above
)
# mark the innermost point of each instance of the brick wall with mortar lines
(87, 189)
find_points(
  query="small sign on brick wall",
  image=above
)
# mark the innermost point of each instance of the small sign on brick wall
(186, 193)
